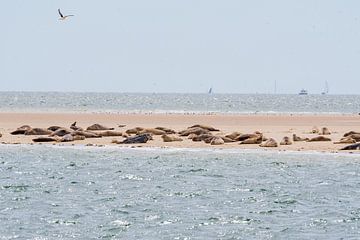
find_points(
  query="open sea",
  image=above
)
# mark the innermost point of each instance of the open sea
(178, 103)
(77, 192)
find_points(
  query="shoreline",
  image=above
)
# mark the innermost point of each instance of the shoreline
(275, 126)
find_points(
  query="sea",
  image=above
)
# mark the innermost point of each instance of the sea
(78, 192)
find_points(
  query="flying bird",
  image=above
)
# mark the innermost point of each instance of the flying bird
(62, 17)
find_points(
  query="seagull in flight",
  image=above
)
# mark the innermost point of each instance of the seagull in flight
(62, 17)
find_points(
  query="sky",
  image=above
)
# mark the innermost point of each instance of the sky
(184, 46)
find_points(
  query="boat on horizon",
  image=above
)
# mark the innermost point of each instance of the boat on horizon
(303, 92)
(210, 91)
(326, 89)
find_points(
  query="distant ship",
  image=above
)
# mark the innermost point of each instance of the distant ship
(210, 91)
(326, 89)
(303, 92)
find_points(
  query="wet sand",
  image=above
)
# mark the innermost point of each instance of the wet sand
(275, 126)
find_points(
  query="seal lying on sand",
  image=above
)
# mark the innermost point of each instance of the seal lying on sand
(38, 131)
(60, 132)
(325, 131)
(253, 140)
(53, 128)
(152, 131)
(46, 139)
(171, 138)
(21, 130)
(141, 138)
(196, 130)
(134, 130)
(355, 146)
(109, 134)
(233, 135)
(243, 137)
(355, 136)
(286, 141)
(202, 137)
(315, 130)
(86, 134)
(346, 140)
(319, 139)
(209, 128)
(217, 141)
(0, 135)
(298, 139)
(269, 143)
(351, 132)
(97, 127)
(166, 130)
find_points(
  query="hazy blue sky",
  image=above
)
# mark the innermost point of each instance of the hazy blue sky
(180, 46)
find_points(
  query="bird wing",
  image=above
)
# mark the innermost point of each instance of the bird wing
(61, 15)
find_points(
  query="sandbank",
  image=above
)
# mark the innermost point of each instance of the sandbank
(275, 126)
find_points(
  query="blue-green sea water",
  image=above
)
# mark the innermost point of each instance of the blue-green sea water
(177, 103)
(49, 192)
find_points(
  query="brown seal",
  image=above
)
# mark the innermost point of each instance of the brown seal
(233, 135)
(21, 130)
(152, 131)
(217, 141)
(166, 130)
(286, 141)
(202, 137)
(319, 139)
(355, 136)
(109, 134)
(346, 140)
(269, 143)
(97, 127)
(38, 131)
(351, 132)
(76, 128)
(243, 137)
(298, 139)
(315, 130)
(196, 130)
(171, 138)
(61, 132)
(86, 134)
(209, 128)
(253, 140)
(134, 130)
(325, 131)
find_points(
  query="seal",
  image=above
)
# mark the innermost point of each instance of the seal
(298, 139)
(0, 135)
(60, 132)
(346, 140)
(134, 130)
(315, 130)
(202, 137)
(253, 140)
(355, 146)
(86, 134)
(38, 131)
(243, 137)
(166, 130)
(355, 136)
(325, 131)
(319, 139)
(53, 128)
(286, 141)
(209, 128)
(233, 135)
(21, 130)
(269, 143)
(196, 130)
(97, 127)
(141, 138)
(217, 141)
(46, 139)
(152, 131)
(109, 134)
(351, 132)
(171, 138)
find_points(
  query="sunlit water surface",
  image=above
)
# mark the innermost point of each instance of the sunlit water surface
(115, 193)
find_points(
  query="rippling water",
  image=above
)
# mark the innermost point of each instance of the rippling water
(198, 103)
(114, 193)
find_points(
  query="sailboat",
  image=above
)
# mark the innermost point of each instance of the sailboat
(326, 89)
(210, 91)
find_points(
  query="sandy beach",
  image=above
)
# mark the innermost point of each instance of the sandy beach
(274, 126)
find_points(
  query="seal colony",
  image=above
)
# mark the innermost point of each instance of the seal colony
(294, 133)
(194, 133)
